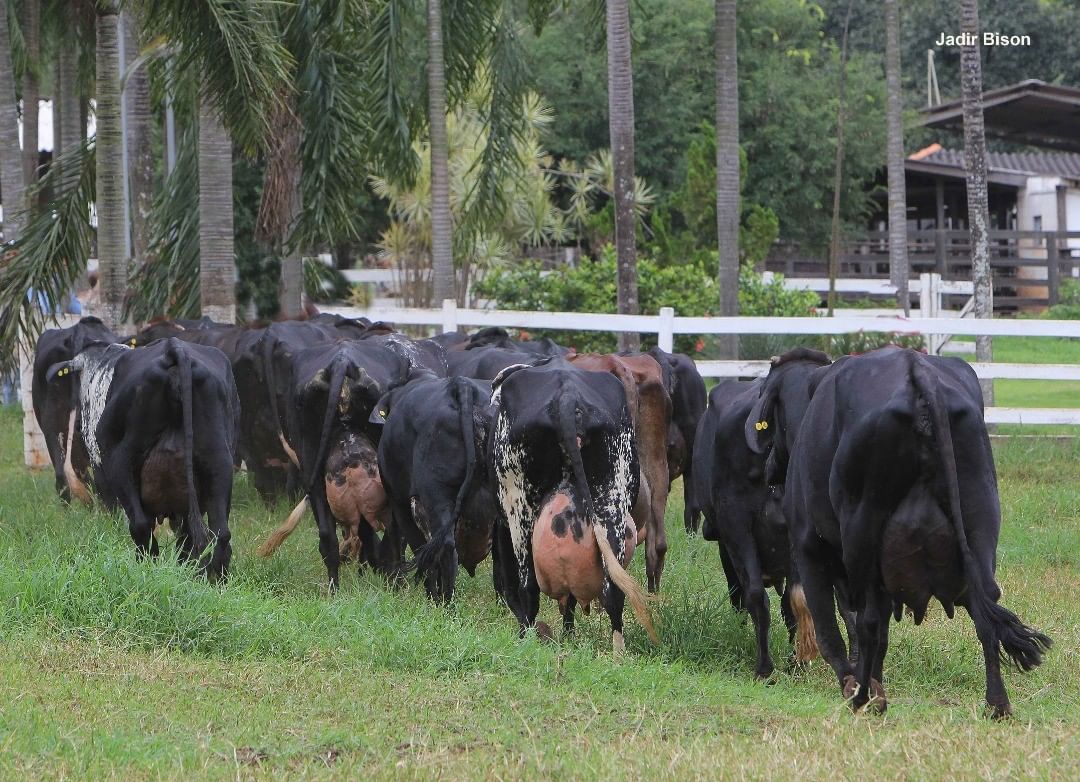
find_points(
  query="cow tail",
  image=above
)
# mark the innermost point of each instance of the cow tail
(196, 527)
(639, 601)
(444, 538)
(333, 395)
(806, 648)
(1020, 644)
(268, 345)
(566, 417)
(278, 536)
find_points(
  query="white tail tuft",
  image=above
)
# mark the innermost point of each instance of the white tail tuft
(634, 593)
(277, 537)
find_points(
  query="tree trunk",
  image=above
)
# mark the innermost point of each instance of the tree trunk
(838, 170)
(442, 250)
(68, 99)
(217, 262)
(727, 168)
(140, 147)
(894, 108)
(975, 166)
(280, 205)
(11, 164)
(31, 90)
(621, 128)
(112, 258)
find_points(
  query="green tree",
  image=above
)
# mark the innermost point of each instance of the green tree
(727, 166)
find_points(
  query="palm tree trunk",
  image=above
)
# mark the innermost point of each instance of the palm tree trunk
(838, 169)
(894, 107)
(112, 257)
(68, 99)
(975, 165)
(621, 129)
(31, 91)
(11, 165)
(442, 250)
(217, 262)
(727, 167)
(140, 149)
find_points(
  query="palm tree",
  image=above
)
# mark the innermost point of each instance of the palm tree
(898, 258)
(67, 111)
(141, 158)
(217, 263)
(838, 170)
(442, 255)
(112, 250)
(727, 167)
(31, 27)
(621, 129)
(11, 163)
(975, 166)
(479, 45)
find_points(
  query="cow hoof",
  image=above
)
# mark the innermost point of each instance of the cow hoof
(765, 675)
(850, 689)
(999, 711)
(543, 632)
(878, 703)
(618, 644)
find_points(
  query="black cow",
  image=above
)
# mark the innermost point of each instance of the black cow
(892, 492)
(498, 337)
(204, 331)
(148, 416)
(331, 393)
(431, 460)
(53, 405)
(485, 363)
(566, 475)
(738, 484)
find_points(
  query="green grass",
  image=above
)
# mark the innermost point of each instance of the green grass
(115, 668)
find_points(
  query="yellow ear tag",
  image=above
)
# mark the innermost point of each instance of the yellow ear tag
(382, 413)
(132, 341)
(764, 425)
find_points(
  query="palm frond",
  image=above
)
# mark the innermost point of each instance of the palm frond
(230, 48)
(52, 251)
(393, 119)
(168, 283)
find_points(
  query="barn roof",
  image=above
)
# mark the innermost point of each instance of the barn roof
(1031, 112)
(1001, 166)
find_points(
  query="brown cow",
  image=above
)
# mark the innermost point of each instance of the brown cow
(650, 405)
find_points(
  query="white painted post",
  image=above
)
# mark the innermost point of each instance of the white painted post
(449, 315)
(665, 337)
(35, 453)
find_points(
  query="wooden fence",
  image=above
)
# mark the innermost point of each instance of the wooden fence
(1028, 266)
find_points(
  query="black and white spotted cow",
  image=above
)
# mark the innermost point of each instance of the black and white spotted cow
(53, 402)
(159, 425)
(331, 393)
(566, 475)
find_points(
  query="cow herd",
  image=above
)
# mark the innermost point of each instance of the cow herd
(862, 487)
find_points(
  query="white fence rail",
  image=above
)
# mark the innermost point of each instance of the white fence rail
(666, 325)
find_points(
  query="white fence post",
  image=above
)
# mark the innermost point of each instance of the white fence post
(665, 336)
(449, 315)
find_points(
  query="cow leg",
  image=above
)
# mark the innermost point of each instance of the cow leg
(656, 544)
(369, 545)
(218, 501)
(614, 601)
(817, 585)
(870, 631)
(504, 569)
(745, 562)
(847, 614)
(790, 622)
(735, 590)
(328, 540)
(997, 698)
(568, 615)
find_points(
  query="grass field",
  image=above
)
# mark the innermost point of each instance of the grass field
(113, 668)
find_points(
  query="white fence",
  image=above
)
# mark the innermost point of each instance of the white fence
(666, 325)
